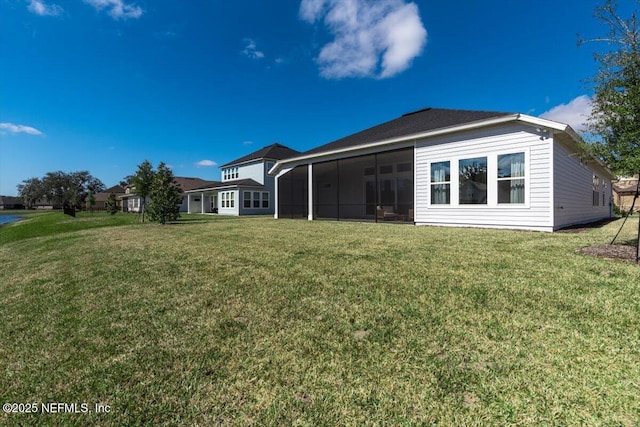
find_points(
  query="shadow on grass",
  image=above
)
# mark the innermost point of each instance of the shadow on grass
(579, 228)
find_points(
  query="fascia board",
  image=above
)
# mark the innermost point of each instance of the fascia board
(404, 138)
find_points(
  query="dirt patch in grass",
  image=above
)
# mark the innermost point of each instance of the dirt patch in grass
(625, 252)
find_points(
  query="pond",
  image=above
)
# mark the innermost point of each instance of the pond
(6, 219)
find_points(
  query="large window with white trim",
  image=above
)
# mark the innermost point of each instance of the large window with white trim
(255, 199)
(227, 199)
(511, 176)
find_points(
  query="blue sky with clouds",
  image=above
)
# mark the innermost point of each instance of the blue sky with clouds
(102, 85)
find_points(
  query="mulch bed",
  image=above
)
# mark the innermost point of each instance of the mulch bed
(624, 252)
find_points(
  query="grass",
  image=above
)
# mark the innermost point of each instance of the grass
(255, 321)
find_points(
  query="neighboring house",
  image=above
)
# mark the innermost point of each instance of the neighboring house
(449, 168)
(44, 204)
(133, 203)
(246, 187)
(102, 198)
(9, 202)
(624, 191)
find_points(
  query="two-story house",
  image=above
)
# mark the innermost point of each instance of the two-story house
(246, 187)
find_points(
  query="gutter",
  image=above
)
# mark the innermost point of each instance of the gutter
(405, 138)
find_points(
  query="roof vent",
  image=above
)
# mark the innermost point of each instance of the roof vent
(416, 112)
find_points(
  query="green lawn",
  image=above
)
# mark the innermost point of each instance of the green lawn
(256, 321)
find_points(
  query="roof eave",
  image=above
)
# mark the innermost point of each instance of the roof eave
(404, 138)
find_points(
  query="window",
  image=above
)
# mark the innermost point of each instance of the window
(440, 183)
(473, 181)
(230, 173)
(596, 190)
(255, 200)
(511, 178)
(228, 199)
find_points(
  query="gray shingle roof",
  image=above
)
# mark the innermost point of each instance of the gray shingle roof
(274, 152)
(413, 123)
(234, 183)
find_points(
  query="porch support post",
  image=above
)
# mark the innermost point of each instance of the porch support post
(188, 203)
(202, 202)
(310, 192)
(275, 196)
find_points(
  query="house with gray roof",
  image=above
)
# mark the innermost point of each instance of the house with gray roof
(131, 202)
(10, 202)
(449, 168)
(246, 187)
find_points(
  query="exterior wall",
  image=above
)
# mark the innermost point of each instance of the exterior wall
(235, 210)
(183, 205)
(573, 189)
(625, 201)
(533, 214)
(253, 171)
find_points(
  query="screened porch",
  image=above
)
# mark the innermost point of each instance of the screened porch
(377, 187)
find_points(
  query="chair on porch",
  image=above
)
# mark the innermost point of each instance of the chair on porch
(386, 213)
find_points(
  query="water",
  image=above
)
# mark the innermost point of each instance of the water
(6, 219)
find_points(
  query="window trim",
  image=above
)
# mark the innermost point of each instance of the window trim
(432, 183)
(262, 197)
(492, 174)
(487, 179)
(524, 177)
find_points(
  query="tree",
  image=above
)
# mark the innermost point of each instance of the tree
(112, 206)
(127, 180)
(60, 188)
(142, 182)
(70, 189)
(165, 196)
(91, 201)
(31, 190)
(615, 118)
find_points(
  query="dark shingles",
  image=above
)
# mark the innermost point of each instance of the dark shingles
(234, 183)
(413, 123)
(274, 152)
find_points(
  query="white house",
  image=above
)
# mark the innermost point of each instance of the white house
(246, 187)
(131, 202)
(449, 168)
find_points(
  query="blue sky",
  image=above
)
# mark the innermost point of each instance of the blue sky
(102, 85)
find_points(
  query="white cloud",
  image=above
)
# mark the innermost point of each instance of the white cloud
(247, 142)
(371, 39)
(206, 163)
(575, 113)
(117, 9)
(14, 129)
(39, 7)
(251, 50)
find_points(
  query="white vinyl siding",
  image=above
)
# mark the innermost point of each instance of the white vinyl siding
(534, 213)
(574, 190)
